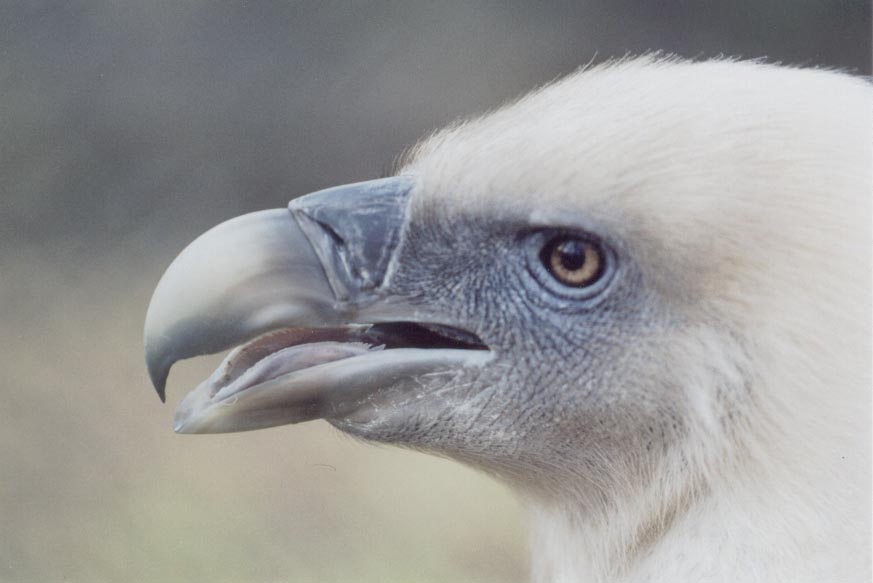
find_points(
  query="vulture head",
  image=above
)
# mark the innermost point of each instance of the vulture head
(639, 295)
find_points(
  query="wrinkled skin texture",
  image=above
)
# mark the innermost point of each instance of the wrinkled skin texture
(701, 415)
(543, 397)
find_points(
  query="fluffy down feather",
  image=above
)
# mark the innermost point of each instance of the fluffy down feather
(744, 191)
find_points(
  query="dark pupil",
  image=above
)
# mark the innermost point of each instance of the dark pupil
(571, 254)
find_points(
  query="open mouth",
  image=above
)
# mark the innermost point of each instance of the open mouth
(293, 290)
(291, 375)
(286, 351)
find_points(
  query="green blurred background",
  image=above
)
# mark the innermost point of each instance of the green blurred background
(128, 128)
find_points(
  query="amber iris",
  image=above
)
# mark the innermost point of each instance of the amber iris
(573, 261)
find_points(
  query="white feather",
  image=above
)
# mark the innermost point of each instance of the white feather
(745, 191)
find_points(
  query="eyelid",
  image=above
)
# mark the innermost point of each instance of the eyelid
(537, 239)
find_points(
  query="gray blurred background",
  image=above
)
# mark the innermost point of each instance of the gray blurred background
(128, 128)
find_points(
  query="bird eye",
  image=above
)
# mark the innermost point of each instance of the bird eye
(571, 265)
(573, 261)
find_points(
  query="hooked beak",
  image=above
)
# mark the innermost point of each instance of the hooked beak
(302, 295)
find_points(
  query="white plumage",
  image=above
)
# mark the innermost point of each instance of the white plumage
(696, 409)
(746, 188)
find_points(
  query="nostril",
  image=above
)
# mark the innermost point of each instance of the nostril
(354, 230)
(334, 236)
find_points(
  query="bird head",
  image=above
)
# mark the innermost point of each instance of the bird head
(631, 269)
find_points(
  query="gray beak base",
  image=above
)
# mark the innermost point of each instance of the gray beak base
(293, 288)
(354, 230)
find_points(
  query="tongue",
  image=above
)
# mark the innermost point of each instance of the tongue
(286, 360)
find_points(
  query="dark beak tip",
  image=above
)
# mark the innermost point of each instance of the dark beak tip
(158, 375)
(160, 385)
(332, 245)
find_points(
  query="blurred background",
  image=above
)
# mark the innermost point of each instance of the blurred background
(127, 129)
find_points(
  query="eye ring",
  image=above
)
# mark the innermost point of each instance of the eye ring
(573, 261)
(572, 266)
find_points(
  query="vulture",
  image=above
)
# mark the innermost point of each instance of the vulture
(640, 296)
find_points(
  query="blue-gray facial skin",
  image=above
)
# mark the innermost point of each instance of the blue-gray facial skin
(557, 382)
(540, 332)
